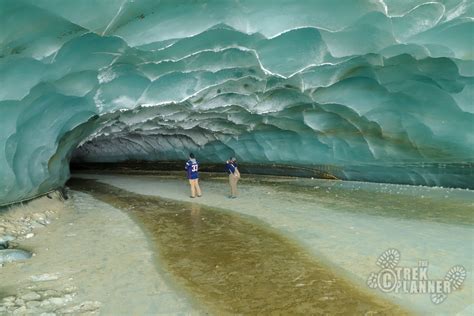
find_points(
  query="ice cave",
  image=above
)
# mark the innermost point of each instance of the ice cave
(373, 97)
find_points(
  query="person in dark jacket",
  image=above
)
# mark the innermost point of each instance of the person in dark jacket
(234, 176)
(192, 173)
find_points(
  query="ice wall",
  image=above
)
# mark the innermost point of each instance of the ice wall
(382, 89)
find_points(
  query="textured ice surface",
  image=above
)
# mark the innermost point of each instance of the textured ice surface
(382, 89)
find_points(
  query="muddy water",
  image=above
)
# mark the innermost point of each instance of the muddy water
(233, 265)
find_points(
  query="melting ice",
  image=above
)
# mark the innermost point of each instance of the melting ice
(382, 90)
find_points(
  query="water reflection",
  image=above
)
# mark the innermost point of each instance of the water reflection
(196, 217)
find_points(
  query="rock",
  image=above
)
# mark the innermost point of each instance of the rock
(69, 289)
(5, 240)
(87, 306)
(38, 216)
(63, 193)
(48, 314)
(49, 293)
(33, 304)
(34, 311)
(19, 302)
(45, 304)
(41, 219)
(57, 300)
(68, 297)
(20, 311)
(2, 309)
(32, 296)
(9, 304)
(29, 235)
(10, 255)
(44, 277)
(9, 299)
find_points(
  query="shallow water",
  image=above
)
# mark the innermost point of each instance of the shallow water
(441, 205)
(233, 264)
(347, 236)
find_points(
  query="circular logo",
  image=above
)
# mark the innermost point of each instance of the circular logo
(387, 280)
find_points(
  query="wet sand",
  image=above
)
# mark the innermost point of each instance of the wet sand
(139, 245)
(329, 221)
(90, 259)
(233, 265)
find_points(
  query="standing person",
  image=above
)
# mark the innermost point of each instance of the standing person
(234, 176)
(192, 168)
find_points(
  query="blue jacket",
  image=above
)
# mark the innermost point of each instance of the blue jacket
(192, 168)
(230, 167)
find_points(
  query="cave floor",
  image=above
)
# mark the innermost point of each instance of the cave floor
(138, 244)
(332, 231)
(91, 259)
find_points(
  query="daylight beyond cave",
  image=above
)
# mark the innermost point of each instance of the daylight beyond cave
(383, 90)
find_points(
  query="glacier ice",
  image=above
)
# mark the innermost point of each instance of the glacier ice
(383, 90)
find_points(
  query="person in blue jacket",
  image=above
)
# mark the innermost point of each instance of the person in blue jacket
(192, 168)
(234, 176)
